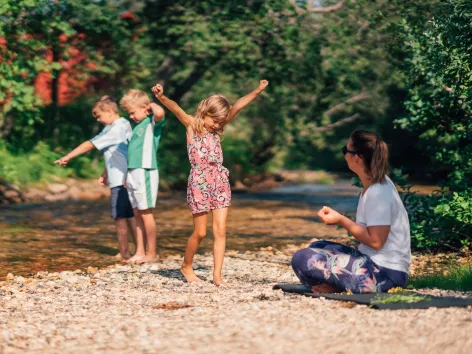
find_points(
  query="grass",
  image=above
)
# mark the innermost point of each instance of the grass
(457, 278)
(398, 298)
(37, 166)
(14, 229)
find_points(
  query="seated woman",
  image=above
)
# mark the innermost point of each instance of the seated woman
(382, 228)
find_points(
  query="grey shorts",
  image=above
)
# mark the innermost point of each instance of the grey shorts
(120, 206)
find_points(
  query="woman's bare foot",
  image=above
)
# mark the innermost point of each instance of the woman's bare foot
(136, 258)
(323, 289)
(190, 275)
(148, 259)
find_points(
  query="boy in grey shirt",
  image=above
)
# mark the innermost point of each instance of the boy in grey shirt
(113, 142)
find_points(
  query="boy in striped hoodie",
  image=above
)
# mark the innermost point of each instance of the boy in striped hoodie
(143, 175)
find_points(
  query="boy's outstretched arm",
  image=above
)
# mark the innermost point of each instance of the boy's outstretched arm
(157, 111)
(86, 146)
(245, 100)
(172, 106)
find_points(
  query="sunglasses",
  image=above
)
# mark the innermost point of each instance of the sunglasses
(345, 151)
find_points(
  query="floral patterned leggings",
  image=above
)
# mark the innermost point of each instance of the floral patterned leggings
(344, 268)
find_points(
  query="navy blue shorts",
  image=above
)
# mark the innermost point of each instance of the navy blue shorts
(120, 206)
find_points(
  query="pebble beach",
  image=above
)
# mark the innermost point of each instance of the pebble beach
(150, 308)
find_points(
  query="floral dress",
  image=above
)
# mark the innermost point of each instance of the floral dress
(208, 184)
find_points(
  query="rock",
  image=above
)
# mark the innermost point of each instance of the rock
(71, 279)
(35, 194)
(57, 197)
(92, 270)
(10, 276)
(91, 196)
(239, 186)
(74, 193)
(19, 280)
(57, 188)
(11, 194)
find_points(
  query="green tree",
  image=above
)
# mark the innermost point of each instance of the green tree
(437, 41)
(40, 36)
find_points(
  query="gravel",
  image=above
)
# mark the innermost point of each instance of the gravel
(148, 309)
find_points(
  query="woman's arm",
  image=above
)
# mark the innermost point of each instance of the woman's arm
(172, 106)
(372, 236)
(245, 100)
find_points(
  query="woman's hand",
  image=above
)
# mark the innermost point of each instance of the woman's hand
(329, 216)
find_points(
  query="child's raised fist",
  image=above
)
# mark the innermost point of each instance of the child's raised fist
(158, 90)
(262, 85)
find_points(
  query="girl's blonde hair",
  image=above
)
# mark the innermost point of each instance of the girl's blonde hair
(105, 103)
(134, 98)
(215, 107)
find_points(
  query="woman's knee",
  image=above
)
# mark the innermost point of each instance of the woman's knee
(300, 259)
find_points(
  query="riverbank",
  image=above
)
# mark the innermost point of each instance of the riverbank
(146, 309)
(64, 235)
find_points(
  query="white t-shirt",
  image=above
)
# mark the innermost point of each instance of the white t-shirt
(381, 205)
(113, 141)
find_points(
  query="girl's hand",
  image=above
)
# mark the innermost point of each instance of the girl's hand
(62, 161)
(158, 91)
(329, 216)
(262, 85)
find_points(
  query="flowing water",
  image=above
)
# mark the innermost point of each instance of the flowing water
(77, 234)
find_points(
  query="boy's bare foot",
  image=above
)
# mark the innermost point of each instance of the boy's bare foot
(190, 275)
(125, 257)
(323, 289)
(148, 259)
(136, 258)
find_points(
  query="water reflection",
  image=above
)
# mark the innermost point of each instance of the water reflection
(76, 234)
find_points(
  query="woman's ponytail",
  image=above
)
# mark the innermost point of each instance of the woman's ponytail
(374, 152)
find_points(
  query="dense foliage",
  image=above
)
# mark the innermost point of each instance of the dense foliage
(437, 42)
(401, 68)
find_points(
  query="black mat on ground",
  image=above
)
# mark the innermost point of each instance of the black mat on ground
(381, 301)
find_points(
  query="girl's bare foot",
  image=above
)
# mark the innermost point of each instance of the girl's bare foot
(219, 282)
(190, 275)
(323, 289)
(148, 259)
(136, 258)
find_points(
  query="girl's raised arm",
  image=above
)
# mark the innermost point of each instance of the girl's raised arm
(172, 106)
(245, 100)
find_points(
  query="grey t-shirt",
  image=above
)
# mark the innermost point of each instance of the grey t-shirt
(381, 205)
(113, 142)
